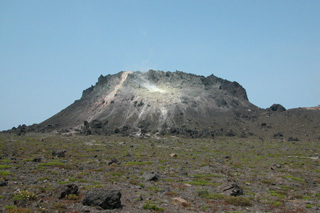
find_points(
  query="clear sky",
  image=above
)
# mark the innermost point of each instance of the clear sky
(52, 50)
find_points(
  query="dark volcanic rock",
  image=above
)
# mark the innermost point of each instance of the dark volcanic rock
(59, 153)
(21, 130)
(277, 108)
(293, 139)
(278, 135)
(103, 198)
(3, 183)
(114, 160)
(234, 190)
(86, 128)
(63, 191)
(37, 159)
(96, 124)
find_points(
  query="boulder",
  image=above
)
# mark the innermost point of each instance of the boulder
(114, 160)
(234, 190)
(3, 183)
(277, 108)
(103, 198)
(63, 191)
(59, 153)
(96, 124)
(86, 128)
(173, 155)
(151, 176)
(293, 139)
(180, 201)
(37, 159)
(278, 135)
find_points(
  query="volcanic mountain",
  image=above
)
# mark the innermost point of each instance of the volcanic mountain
(157, 102)
(153, 101)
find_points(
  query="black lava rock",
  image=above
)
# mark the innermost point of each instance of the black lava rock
(103, 198)
(63, 191)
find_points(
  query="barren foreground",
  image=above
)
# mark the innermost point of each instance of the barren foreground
(50, 172)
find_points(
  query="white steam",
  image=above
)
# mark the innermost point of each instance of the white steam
(142, 81)
(152, 87)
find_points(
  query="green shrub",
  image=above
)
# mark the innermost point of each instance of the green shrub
(308, 206)
(25, 195)
(294, 178)
(238, 201)
(116, 174)
(207, 195)
(9, 207)
(72, 197)
(5, 160)
(277, 194)
(4, 173)
(73, 179)
(276, 203)
(4, 167)
(152, 206)
(306, 197)
(154, 188)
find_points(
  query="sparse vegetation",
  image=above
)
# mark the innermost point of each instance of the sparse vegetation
(238, 201)
(4, 167)
(268, 177)
(72, 197)
(294, 178)
(5, 173)
(24, 195)
(134, 163)
(207, 195)
(152, 206)
(52, 164)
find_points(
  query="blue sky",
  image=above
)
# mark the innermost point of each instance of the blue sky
(52, 50)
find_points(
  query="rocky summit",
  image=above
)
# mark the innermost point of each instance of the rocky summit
(157, 102)
(154, 101)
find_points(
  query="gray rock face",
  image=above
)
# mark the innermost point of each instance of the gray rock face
(155, 101)
(103, 198)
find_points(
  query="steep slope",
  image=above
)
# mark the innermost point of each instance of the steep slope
(154, 101)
